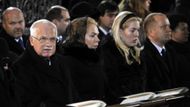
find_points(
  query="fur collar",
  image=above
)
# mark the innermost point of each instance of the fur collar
(81, 51)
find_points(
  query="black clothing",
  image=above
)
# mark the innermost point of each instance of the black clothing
(86, 70)
(42, 82)
(160, 70)
(83, 8)
(166, 5)
(128, 8)
(8, 97)
(6, 56)
(13, 45)
(181, 48)
(183, 57)
(182, 77)
(124, 79)
(182, 7)
(103, 38)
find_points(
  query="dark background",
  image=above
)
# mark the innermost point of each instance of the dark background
(36, 9)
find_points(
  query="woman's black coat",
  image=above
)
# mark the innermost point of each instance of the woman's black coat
(124, 79)
(86, 70)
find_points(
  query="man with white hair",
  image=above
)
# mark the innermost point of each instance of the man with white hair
(41, 78)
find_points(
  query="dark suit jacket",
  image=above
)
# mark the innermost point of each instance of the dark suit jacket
(103, 38)
(160, 73)
(13, 45)
(40, 84)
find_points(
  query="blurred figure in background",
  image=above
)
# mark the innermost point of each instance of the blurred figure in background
(164, 6)
(179, 42)
(139, 7)
(107, 13)
(183, 7)
(180, 34)
(61, 18)
(82, 9)
(93, 3)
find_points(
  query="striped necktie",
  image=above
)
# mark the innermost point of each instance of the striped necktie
(20, 41)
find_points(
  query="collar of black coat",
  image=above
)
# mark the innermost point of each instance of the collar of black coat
(5, 35)
(9, 38)
(36, 58)
(81, 52)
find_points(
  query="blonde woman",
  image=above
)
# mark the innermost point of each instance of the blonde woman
(122, 62)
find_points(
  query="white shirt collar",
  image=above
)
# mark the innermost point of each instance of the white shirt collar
(17, 39)
(159, 48)
(104, 31)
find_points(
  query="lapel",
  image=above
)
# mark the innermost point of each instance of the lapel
(13, 45)
(156, 55)
(25, 39)
(170, 59)
(101, 34)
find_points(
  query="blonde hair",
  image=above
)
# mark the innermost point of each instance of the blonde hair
(117, 26)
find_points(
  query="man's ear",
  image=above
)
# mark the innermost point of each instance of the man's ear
(151, 32)
(55, 21)
(3, 25)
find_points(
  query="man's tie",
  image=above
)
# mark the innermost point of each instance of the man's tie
(21, 43)
(108, 34)
(163, 52)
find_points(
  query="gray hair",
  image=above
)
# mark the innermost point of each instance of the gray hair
(33, 27)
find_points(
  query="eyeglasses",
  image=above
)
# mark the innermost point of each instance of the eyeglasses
(44, 39)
